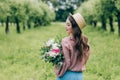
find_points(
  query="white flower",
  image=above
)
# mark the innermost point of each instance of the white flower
(55, 46)
(50, 42)
(52, 54)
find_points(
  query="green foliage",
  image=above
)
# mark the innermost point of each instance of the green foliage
(89, 10)
(63, 7)
(4, 10)
(117, 4)
(19, 54)
(107, 7)
(17, 10)
(94, 9)
(36, 12)
(48, 14)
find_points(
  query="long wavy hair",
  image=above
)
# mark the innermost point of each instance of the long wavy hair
(80, 45)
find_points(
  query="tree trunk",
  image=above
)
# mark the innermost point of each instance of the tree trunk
(111, 23)
(28, 24)
(35, 23)
(17, 25)
(103, 20)
(23, 25)
(95, 23)
(118, 17)
(7, 25)
(2, 23)
(90, 22)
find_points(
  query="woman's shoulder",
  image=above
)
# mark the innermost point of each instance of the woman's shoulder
(65, 42)
(65, 39)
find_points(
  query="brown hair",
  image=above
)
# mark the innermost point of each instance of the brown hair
(80, 45)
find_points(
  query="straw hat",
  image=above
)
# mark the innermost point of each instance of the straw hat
(79, 20)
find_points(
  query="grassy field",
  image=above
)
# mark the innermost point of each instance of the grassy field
(20, 54)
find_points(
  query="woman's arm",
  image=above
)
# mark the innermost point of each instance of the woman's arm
(66, 63)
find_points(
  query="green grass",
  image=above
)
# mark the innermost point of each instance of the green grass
(20, 55)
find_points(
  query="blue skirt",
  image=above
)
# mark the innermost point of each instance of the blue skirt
(71, 75)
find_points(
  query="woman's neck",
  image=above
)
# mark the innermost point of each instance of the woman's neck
(71, 36)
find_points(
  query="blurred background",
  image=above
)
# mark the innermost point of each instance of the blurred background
(25, 25)
(27, 13)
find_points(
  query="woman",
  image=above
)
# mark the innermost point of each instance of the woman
(75, 50)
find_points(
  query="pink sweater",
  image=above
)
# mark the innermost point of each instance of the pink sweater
(70, 54)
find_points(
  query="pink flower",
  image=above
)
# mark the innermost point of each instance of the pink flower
(55, 50)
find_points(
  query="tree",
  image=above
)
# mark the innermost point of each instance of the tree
(32, 11)
(98, 10)
(63, 7)
(4, 14)
(2, 11)
(117, 5)
(17, 12)
(25, 12)
(89, 10)
(108, 8)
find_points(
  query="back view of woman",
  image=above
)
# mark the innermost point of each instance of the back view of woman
(76, 50)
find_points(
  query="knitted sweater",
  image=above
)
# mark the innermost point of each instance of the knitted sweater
(71, 61)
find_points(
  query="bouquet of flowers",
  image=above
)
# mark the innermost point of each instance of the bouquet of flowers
(52, 52)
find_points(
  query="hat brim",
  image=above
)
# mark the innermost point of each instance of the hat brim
(79, 20)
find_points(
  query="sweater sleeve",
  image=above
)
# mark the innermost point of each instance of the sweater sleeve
(66, 63)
